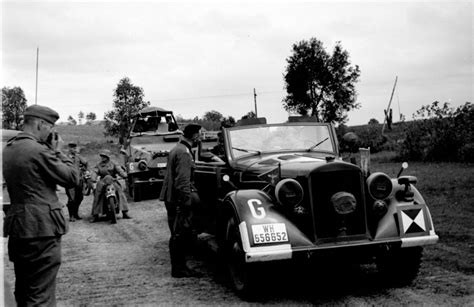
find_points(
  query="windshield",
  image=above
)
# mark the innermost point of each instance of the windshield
(257, 140)
(160, 123)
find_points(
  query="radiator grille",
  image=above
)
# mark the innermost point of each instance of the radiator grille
(327, 223)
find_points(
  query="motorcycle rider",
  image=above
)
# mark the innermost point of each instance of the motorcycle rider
(75, 195)
(107, 167)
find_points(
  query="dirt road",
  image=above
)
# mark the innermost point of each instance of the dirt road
(128, 264)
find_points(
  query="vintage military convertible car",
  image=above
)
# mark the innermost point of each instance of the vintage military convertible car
(153, 134)
(282, 193)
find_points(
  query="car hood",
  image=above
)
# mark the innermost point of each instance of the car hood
(292, 164)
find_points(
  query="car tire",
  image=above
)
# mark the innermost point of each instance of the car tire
(242, 275)
(400, 266)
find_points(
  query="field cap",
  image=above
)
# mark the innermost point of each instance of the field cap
(105, 153)
(42, 112)
(191, 129)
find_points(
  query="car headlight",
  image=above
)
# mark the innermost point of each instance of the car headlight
(289, 192)
(142, 165)
(379, 185)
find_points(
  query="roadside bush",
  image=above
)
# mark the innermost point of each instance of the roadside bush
(448, 136)
(368, 136)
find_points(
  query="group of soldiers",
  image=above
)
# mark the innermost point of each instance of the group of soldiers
(33, 166)
(106, 167)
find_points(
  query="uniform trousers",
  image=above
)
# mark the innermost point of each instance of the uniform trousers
(183, 235)
(75, 197)
(36, 262)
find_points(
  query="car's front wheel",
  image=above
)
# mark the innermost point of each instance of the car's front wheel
(242, 275)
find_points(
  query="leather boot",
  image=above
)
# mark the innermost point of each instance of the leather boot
(125, 215)
(95, 218)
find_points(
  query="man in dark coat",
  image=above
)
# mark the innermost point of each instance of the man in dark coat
(75, 195)
(32, 167)
(177, 193)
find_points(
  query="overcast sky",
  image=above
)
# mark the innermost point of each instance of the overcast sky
(193, 57)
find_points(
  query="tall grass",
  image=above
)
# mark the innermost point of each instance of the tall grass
(448, 190)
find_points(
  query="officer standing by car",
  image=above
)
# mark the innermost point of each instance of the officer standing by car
(177, 193)
(32, 167)
(74, 195)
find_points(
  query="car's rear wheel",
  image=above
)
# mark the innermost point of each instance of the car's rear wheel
(400, 266)
(242, 275)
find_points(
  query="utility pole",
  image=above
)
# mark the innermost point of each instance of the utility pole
(255, 101)
(36, 93)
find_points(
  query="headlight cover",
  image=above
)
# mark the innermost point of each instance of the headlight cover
(344, 202)
(289, 192)
(379, 185)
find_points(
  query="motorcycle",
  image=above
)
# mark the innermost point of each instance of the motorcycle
(110, 200)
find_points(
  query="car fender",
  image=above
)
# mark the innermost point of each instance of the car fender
(397, 224)
(255, 207)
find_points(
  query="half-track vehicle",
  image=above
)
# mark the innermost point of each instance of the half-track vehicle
(283, 194)
(154, 132)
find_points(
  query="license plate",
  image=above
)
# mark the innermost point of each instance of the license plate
(269, 233)
(161, 164)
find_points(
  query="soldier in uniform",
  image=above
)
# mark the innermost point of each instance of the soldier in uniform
(32, 167)
(107, 167)
(75, 195)
(177, 193)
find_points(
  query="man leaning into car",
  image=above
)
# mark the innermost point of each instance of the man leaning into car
(32, 167)
(177, 193)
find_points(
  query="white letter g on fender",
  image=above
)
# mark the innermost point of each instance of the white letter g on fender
(253, 209)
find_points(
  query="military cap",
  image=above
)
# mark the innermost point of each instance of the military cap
(191, 129)
(42, 112)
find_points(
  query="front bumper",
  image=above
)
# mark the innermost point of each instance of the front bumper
(286, 251)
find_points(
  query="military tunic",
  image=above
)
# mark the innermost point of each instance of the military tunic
(35, 221)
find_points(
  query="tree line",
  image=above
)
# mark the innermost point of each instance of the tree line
(318, 84)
